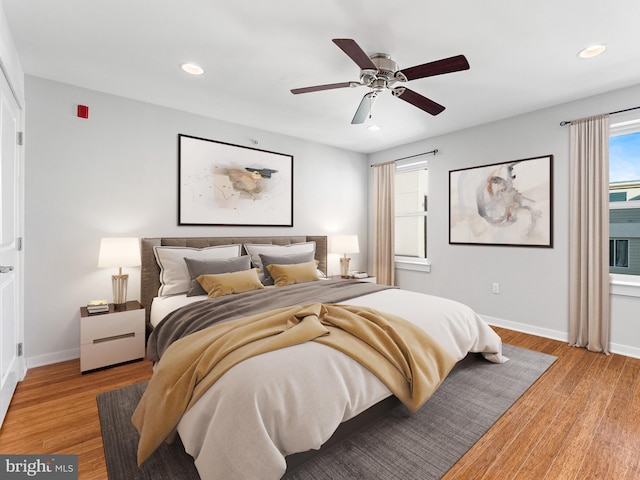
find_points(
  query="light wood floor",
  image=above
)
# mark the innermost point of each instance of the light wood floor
(54, 410)
(581, 420)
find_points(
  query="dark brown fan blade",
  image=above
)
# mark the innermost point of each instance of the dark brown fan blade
(417, 100)
(446, 65)
(328, 86)
(355, 53)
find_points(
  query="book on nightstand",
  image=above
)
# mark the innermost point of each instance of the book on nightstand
(358, 274)
(97, 306)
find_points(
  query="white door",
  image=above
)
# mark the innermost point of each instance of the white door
(10, 362)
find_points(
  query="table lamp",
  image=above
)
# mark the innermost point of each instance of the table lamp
(119, 252)
(344, 244)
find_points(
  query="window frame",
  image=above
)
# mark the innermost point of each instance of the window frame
(622, 283)
(413, 263)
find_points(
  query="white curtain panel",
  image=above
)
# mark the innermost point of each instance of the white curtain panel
(589, 306)
(384, 213)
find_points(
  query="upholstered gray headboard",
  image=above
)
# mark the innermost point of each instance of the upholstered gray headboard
(150, 272)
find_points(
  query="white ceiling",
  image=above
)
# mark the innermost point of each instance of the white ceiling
(523, 57)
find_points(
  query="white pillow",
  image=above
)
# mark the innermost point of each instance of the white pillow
(174, 274)
(267, 249)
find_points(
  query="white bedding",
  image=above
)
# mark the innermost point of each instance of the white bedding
(292, 400)
(163, 306)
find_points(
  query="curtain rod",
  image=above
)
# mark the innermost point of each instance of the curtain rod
(432, 152)
(565, 122)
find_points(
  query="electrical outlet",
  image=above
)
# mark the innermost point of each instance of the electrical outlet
(495, 287)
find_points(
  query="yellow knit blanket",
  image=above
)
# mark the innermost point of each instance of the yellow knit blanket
(402, 355)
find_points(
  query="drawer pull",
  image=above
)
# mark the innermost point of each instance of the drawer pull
(115, 337)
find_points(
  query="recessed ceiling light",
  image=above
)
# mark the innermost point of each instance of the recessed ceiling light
(591, 51)
(192, 68)
(374, 128)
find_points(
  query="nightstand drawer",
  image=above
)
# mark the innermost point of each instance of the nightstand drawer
(367, 279)
(111, 324)
(110, 351)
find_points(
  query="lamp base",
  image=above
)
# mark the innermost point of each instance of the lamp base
(119, 285)
(344, 267)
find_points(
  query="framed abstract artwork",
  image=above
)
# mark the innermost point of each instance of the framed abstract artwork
(509, 204)
(224, 184)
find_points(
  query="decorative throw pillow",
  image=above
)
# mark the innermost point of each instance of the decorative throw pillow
(290, 274)
(227, 283)
(204, 267)
(292, 259)
(174, 275)
(268, 249)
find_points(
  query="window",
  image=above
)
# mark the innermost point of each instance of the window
(411, 199)
(624, 198)
(618, 253)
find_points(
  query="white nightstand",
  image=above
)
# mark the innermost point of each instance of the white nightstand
(112, 337)
(369, 279)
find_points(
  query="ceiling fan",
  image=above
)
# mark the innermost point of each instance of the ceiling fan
(380, 72)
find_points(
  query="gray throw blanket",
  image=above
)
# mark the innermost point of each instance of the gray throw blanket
(199, 315)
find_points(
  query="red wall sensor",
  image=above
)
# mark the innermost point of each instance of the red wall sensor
(83, 111)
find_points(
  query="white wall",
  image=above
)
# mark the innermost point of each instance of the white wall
(534, 282)
(115, 174)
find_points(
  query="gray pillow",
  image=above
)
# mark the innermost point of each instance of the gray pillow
(292, 259)
(212, 267)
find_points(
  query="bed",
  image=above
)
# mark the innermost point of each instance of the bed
(268, 414)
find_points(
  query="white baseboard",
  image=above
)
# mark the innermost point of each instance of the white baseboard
(625, 350)
(524, 328)
(616, 348)
(50, 358)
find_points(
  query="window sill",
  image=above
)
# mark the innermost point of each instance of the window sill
(416, 265)
(625, 285)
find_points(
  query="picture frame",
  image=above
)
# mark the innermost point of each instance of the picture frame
(231, 185)
(503, 204)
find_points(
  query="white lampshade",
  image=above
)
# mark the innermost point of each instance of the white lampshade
(119, 252)
(344, 244)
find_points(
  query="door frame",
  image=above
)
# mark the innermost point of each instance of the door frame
(21, 364)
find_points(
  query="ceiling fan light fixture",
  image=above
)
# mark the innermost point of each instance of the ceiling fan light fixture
(592, 51)
(379, 72)
(192, 68)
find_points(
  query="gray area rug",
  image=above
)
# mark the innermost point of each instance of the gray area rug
(472, 398)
